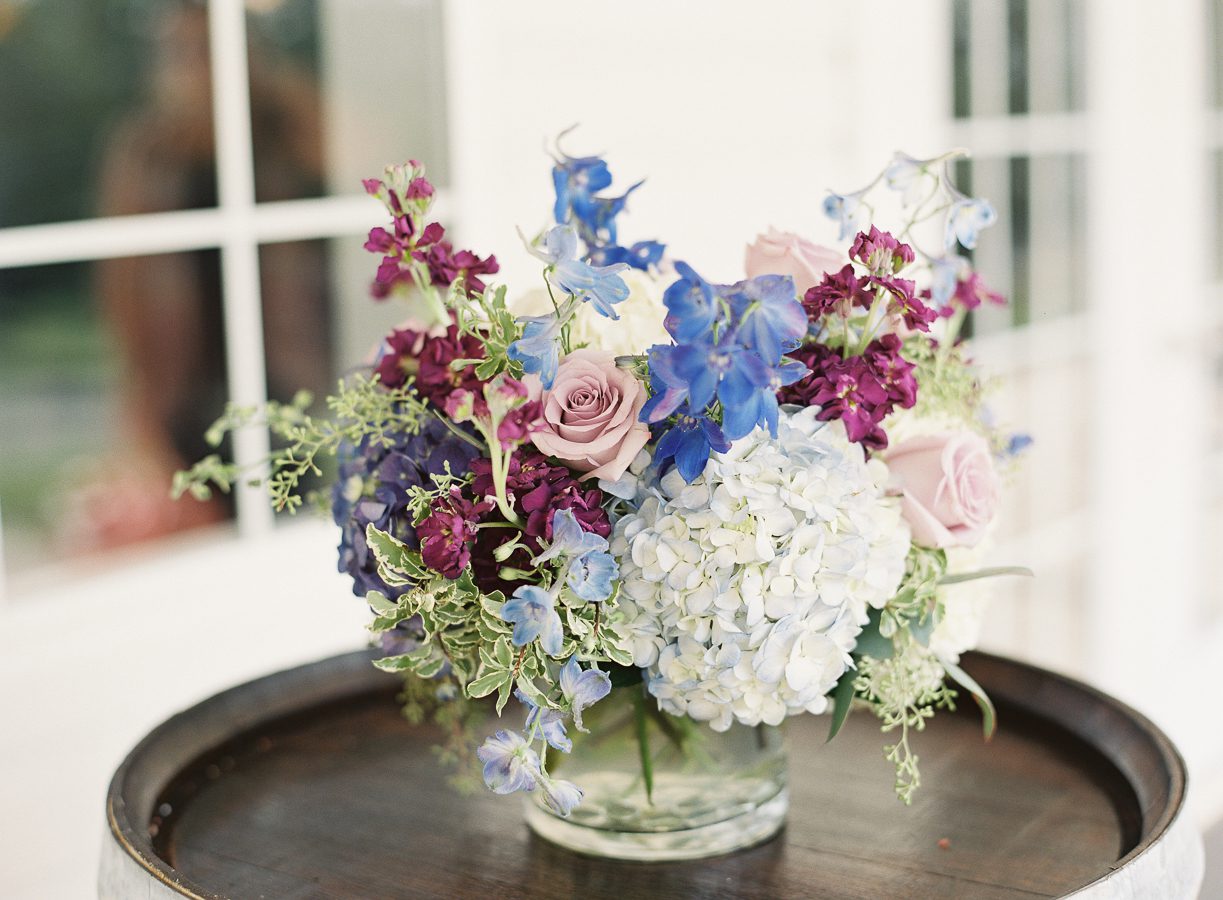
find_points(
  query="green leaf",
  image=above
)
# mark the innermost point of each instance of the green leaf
(870, 642)
(503, 694)
(988, 713)
(430, 667)
(398, 565)
(922, 629)
(842, 701)
(487, 683)
(379, 603)
(502, 653)
(986, 573)
(404, 661)
(621, 656)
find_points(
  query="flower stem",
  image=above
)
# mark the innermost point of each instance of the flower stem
(643, 745)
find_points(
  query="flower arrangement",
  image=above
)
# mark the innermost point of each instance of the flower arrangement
(750, 499)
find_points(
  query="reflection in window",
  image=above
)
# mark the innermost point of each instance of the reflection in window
(109, 372)
(88, 85)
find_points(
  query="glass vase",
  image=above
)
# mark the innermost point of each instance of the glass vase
(658, 787)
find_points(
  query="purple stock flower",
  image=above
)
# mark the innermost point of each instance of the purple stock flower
(839, 292)
(447, 534)
(880, 252)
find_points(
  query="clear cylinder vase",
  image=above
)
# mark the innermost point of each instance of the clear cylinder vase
(658, 787)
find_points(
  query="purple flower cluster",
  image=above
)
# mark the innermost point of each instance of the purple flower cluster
(861, 391)
(883, 256)
(372, 488)
(537, 489)
(406, 241)
(426, 359)
(446, 535)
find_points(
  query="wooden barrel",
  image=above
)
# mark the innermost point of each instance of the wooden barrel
(309, 783)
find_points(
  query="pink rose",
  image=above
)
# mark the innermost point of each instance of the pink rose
(590, 415)
(950, 488)
(783, 253)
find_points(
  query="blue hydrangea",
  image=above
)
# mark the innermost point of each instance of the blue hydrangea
(372, 488)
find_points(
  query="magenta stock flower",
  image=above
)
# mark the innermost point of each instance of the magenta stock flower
(880, 252)
(448, 533)
(427, 359)
(861, 391)
(838, 292)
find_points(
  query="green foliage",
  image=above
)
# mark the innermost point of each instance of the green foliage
(904, 691)
(361, 409)
(485, 316)
(950, 387)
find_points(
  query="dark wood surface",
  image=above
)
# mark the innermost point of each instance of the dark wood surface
(314, 786)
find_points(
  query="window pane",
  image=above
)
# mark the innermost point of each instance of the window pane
(334, 100)
(1017, 56)
(1032, 253)
(109, 374)
(106, 109)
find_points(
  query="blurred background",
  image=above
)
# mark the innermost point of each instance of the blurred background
(181, 221)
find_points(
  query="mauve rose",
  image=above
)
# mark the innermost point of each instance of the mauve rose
(950, 487)
(783, 253)
(590, 415)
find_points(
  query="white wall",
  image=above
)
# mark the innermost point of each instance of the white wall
(731, 142)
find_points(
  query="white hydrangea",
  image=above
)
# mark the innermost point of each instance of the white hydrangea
(745, 591)
(964, 605)
(639, 327)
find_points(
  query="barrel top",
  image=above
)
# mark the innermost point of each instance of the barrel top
(310, 783)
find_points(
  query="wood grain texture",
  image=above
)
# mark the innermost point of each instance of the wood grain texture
(332, 794)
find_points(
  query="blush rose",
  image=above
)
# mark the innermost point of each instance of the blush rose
(784, 253)
(590, 415)
(950, 488)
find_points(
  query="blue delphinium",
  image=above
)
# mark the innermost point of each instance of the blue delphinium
(509, 763)
(539, 348)
(601, 285)
(578, 181)
(532, 612)
(582, 688)
(730, 342)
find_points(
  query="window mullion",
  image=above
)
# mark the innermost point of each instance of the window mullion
(239, 248)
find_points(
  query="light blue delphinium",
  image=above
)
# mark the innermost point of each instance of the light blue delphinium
(539, 348)
(569, 538)
(944, 273)
(590, 575)
(533, 614)
(965, 220)
(846, 210)
(560, 796)
(582, 688)
(550, 723)
(601, 285)
(590, 570)
(509, 763)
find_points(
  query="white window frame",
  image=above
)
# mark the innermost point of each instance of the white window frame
(1146, 630)
(237, 226)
